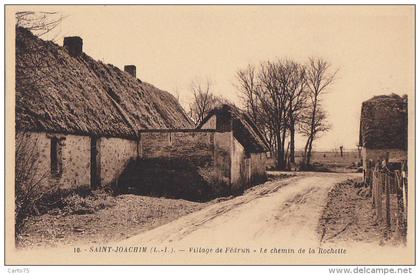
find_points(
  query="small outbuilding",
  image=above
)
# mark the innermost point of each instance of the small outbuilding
(248, 146)
(225, 155)
(383, 129)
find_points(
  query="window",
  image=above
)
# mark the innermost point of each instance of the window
(56, 157)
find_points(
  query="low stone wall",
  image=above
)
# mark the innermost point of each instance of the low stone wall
(204, 148)
(205, 155)
(196, 147)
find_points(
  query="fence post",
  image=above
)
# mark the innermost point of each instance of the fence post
(379, 197)
(373, 188)
(405, 194)
(387, 201)
(401, 212)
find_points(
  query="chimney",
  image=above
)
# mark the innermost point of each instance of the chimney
(131, 69)
(74, 45)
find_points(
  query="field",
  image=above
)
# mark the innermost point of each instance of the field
(331, 160)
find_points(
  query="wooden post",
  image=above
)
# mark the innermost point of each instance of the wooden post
(405, 194)
(379, 197)
(373, 189)
(401, 213)
(387, 201)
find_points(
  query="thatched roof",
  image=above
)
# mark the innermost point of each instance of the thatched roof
(383, 122)
(56, 92)
(244, 129)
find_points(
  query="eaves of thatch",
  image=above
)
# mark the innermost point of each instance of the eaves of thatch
(383, 122)
(244, 129)
(56, 92)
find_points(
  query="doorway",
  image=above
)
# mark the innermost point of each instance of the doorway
(95, 172)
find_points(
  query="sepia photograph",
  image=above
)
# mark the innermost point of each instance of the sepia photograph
(210, 134)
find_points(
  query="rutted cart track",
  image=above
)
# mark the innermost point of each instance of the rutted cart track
(280, 211)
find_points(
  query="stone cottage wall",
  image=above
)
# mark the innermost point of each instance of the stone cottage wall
(240, 169)
(223, 155)
(76, 162)
(246, 169)
(75, 159)
(115, 153)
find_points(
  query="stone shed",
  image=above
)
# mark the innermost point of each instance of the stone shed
(225, 155)
(383, 129)
(247, 144)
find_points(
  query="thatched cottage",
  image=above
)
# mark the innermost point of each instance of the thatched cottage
(91, 124)
(383, 129)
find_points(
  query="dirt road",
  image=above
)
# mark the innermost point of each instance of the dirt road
(269, 224)
(278, 212)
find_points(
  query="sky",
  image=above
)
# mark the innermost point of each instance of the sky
(371, 46)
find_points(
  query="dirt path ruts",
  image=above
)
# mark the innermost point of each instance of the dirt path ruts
(280, 212)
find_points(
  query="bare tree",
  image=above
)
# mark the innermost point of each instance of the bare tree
(39, 23)
(318, 78)
(275, 97)
(297, 94)
(283, 97)
(204, 100)
(31, 65)
(248, 85)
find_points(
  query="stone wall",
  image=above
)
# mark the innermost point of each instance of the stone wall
(115, 153)
(215, 156)
(75, 158)
(222, 155)
(196, 147)
(247, 169)
(207, 150)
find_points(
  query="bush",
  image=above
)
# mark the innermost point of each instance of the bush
(218, 184)
(79, 203)
(29, 179)
(314, 167)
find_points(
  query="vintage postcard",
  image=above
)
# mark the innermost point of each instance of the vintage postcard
(210, 135)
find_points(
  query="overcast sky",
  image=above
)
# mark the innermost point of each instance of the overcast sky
(373, 48)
